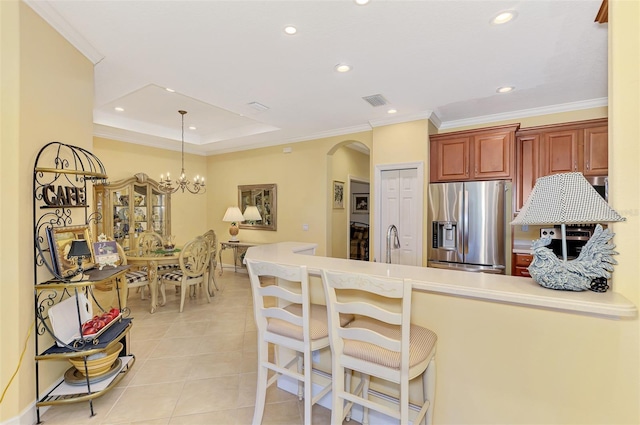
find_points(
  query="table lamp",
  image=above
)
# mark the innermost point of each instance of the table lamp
(568, 198)
(252, 214)
(79, 250)
(234, 216)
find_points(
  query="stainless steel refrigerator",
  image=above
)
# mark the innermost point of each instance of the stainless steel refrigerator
(467, 226)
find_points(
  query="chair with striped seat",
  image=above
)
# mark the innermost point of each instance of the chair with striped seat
(380, 342)
(194, 263)
(293, 323)
(212, 238)
(135, 278)
(149, 242)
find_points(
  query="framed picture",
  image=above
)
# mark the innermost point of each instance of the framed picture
(106, 253)
(60, 245)
(338, 194)
(360, 203)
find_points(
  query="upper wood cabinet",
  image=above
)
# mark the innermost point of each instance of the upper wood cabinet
(596, 151)
(482, 154)
(580, 146)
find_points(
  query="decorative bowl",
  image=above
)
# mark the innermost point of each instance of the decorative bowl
(99, 363)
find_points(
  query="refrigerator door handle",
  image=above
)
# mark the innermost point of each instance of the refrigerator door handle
(461, 225)
(465, 229)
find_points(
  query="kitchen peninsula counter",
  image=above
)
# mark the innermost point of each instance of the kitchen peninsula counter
(509, 350)
(481, 286)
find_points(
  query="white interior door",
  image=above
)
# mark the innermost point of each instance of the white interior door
(401, 205)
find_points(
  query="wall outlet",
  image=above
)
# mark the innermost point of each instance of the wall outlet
(305, 227)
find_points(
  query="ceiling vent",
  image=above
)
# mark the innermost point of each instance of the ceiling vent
(376, 100)
(258, 106)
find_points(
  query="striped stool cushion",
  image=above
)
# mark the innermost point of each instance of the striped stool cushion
(317, 323)
(421, 343)
(133, 277)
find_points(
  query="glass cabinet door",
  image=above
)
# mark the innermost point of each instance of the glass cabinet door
(140, 212)
(158, 212)
(121, 200)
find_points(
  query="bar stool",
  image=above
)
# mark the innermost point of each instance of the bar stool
(379, 342)
(293, 323)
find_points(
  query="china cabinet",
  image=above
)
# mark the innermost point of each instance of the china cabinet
(64, 297)
(130, 206)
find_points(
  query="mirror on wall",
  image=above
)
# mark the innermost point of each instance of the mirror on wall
(258, 204)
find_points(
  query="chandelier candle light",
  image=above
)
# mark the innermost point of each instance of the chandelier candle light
(166, 185)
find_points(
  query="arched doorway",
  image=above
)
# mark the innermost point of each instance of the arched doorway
(348, 164)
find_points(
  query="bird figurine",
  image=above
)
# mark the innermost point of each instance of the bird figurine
(589, 271)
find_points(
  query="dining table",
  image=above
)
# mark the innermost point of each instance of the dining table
(152, 260)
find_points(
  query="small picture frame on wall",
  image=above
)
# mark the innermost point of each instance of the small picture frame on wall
(338, 194)
(360, 203)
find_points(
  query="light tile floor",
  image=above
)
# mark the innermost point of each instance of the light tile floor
(194, 367)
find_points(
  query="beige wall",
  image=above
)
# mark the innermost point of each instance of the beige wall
(189, 215)
(396, 144)
(496, 363)
(47, 95)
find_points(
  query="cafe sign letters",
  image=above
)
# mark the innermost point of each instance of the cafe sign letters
(63, 196)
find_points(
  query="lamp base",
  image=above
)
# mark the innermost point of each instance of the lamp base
(233, 231)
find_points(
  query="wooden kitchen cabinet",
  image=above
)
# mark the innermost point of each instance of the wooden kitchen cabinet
(559, 151)
(521, 263)
(596, 151)
(482, 154)
(580, 146)
(527, 167)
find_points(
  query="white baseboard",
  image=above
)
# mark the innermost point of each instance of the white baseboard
(27, 416)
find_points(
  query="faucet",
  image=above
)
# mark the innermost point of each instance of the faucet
(396, 241)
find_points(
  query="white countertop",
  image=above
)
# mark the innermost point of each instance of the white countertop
(483, 286)
(522, 247)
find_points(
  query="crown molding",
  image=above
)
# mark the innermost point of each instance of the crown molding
(553, 109)
(425, 115)
(47, 12)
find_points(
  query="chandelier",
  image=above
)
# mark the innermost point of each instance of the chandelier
(183, 183)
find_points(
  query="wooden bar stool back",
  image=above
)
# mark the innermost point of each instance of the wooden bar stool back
(291, 322)
(380, 342)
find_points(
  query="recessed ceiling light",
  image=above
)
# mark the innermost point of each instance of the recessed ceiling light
(119, 109)
(505, 89)
(290, 29)
(392, 111)
(504, 17)
(361, 2)
(170, 90)
(343, 67)
(191, 127)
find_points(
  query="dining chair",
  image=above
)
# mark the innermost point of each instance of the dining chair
(293, 323)
(193, 262)
(149, 242)
(212, 238)
(135, 278)
(380, 342)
